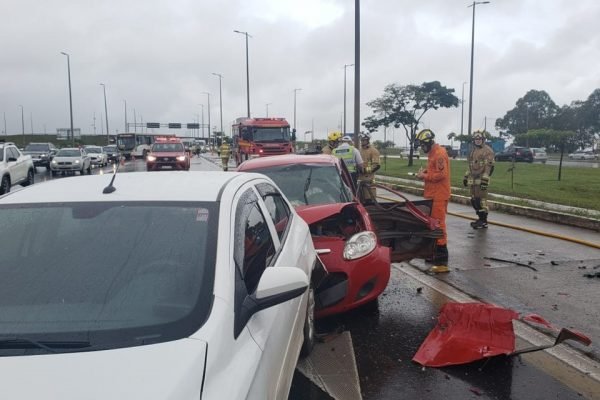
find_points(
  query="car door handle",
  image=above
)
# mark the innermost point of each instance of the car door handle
(323, 251)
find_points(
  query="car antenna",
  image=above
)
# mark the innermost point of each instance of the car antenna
(110, 188)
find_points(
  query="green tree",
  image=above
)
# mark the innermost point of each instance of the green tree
(405, 105)
(535, 110)
(551, 138)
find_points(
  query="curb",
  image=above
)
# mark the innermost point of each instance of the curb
(537, 213)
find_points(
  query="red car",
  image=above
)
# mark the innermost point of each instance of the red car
(356, 243)
(168, 152)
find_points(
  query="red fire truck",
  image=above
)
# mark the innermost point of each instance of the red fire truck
(260, 137)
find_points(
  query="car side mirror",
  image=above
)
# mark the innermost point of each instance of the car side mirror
(276, 285)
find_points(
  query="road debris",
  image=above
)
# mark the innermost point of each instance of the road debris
(595, 275)
(511, 262)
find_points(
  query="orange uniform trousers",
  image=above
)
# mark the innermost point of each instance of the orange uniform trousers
(437, 186)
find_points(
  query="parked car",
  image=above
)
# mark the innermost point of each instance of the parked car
(97, 155)
(15, 167)
(204, 291)
(452, 153)
(168, 152)
(71, 160)
(41, 153)
(516, 153)
(354, 250)
(112, 153)
(583, 155)
(405, 153)
(539, 155)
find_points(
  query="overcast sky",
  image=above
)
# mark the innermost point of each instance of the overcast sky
(158, 56)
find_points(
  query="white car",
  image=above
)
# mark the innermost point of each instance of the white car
(539, 155)
(15, 167)
(71, 160)
(176, 285)
(583, 155)
(97, 155)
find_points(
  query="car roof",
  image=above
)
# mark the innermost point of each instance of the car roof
(286, 159)
(132, 186)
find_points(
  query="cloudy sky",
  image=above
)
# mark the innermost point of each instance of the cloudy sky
(159, 57)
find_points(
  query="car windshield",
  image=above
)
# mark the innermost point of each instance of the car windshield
(93, 150)
(68, 153)
(113, 274)
(309, 184)
(36, 147)
(270, 134)
(167, 147)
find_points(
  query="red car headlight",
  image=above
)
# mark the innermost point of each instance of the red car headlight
(181, 158)
(360, 245)
(150, 158)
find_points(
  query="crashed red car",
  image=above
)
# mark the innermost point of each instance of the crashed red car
(355, 252)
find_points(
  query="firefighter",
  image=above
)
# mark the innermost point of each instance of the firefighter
(333, 141)
(477, 177)
(351, 157)
(370, 156)
(436, 180)
(224, 153)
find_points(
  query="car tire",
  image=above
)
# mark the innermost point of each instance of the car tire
(54, 173)
(309, 324)
(5, 185)
(30, 178)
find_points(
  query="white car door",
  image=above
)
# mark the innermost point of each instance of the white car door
(278, 329)
(19, 172)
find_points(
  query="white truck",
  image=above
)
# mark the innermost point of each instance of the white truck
(15, 167)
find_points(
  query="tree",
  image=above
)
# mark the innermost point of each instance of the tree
(406, 105)
(535, 110)
(552, 138)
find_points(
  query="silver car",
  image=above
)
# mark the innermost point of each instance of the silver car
(71, 160)
(97, 155)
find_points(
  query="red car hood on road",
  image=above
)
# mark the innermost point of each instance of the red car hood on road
(313, 213)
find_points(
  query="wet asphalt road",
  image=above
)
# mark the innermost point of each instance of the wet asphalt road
(386, 339)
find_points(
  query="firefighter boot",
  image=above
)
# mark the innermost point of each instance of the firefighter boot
(481, 223)
(440, 255)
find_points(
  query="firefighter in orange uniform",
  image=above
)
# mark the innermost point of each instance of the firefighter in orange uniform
(437, 187)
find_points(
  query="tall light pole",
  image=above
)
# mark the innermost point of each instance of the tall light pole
(221, 101)
(462, 108)
(5, 131)
(470, 126)
(106, 114)
(356, 71)
(345, 67)
(126, 129)
(202, 134)
(267, 106)
(209, 135)
(70, 97)
(247, 71)
(22, 125)
(295, 92)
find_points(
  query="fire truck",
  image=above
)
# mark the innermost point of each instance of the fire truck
(260, 137)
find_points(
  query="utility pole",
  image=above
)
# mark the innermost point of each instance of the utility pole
(356, 72)
(470, 122)
(70, 98)
(247, 71)
(345, 67)
(126, 129)
(106, 114)
(295, 91)
(221, 102)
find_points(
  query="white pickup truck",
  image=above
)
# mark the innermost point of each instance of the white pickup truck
(15, 167)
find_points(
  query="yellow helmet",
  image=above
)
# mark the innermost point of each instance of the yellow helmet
(478, 134)
(334, 136)
(424, 138)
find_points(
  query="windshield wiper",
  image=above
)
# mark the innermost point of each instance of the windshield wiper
(306, 185)
(48, 345)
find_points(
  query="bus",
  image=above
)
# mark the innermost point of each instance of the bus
(137, 145)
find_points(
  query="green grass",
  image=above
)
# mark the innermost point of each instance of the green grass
(578, 187)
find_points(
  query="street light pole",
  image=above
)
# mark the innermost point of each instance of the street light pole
(470, 122)
(221, 101)
(462, 108)
(70, 97)
(126, 129)
(106, 114)
(22, 125)
(209, 135)
(202, 134)
(295, 91)
(247, 71)
(356, 72)
(345, 67)
(267, 105)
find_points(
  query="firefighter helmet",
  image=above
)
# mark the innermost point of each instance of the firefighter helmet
(478, 135)
(334, 136)
(424, 139)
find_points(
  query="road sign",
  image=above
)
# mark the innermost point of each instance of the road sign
(152, 125)
(173, 125)
(193, 126)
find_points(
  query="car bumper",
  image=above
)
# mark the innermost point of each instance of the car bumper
(72, 167)
(172, 164)
(349, 284)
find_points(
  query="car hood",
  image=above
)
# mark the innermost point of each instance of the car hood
(172, 370)
(313, 213)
